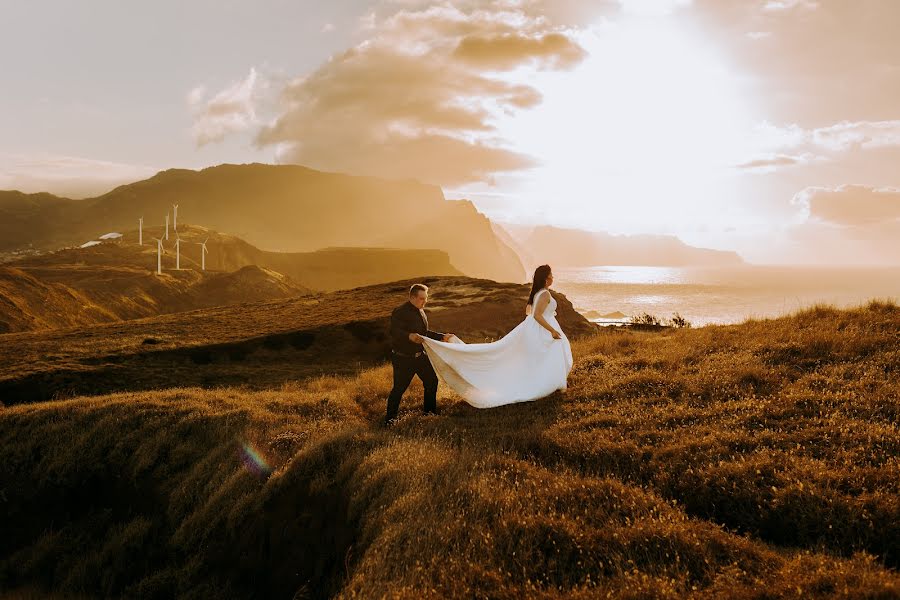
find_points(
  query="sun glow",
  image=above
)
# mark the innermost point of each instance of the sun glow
(642, 134)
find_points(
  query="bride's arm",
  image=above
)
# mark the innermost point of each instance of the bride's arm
(539, 306)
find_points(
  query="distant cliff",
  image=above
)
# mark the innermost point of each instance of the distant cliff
(329, 269)
(578, 248)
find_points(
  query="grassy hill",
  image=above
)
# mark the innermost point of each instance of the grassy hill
(28, 303)
(35, 298)
(116, 281)
(285, 208)
(748, 461)
(257, 344)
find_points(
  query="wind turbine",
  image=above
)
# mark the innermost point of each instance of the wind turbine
(141, 231)
(167, 227)
(203, 252)
(175, 220)
(159, 253)
(177, 253)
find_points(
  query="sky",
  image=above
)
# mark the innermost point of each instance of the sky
(769, 127)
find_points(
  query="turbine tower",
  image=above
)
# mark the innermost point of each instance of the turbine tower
(159, 253)
(167, 227)
(141, 231)
(175, 219)
(203, 252)
(177, 253)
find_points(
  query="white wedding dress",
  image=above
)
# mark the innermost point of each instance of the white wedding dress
(525, 364)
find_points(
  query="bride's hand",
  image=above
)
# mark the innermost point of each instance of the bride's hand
(556, 335)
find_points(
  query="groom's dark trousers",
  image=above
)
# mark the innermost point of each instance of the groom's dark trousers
(409, 359)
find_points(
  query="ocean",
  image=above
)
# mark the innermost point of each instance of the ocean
(720, 294)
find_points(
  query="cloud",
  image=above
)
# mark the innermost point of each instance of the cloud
(778, 148)
(785, 5)
(416, 98)
(863, 134)
(849, 224)
(823, 144)
(772, 162)
(655, 8)
(232, 110)
(68, 176)
(509, 51)
(823, 62)
(850, 205)
(767, 135)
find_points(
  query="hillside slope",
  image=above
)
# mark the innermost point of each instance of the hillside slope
(116, 281)
(35, 299)
(28, 303)
(751, 461)
(258, 344)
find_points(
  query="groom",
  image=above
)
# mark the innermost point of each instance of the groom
(408, 324)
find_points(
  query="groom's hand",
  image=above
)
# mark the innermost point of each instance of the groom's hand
(415, 338)
(447, 337)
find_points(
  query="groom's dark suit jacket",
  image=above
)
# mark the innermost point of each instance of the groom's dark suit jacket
(407, 319)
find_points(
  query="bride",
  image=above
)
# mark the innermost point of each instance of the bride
(530, 362)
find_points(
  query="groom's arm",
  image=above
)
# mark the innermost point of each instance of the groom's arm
(435, 335)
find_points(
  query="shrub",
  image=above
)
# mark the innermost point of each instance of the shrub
(679, 322)
(645, 319)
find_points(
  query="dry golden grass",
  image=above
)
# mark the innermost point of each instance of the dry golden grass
(751, 461)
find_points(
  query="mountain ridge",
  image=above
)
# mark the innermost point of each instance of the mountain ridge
(286, 208)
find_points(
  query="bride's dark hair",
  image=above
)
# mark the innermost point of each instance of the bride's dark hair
(539, 281)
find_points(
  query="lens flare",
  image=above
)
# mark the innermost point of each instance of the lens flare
(254, 460)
